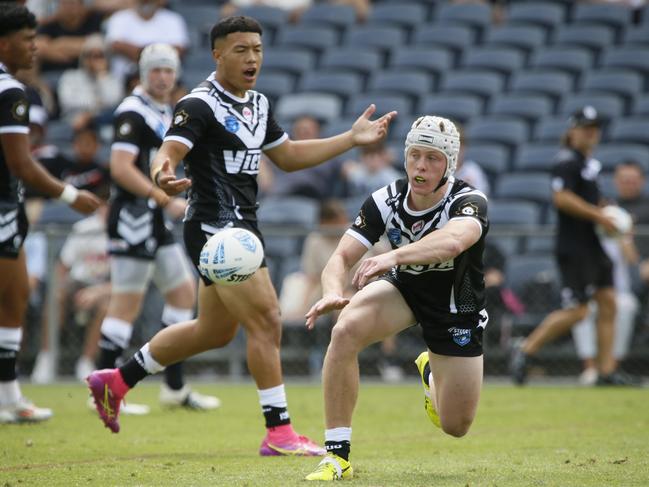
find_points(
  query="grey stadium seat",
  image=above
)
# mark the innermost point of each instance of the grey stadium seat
(289, 60)
(481, 83)
(493, 158)
(476, 15)
(497, 129)
(548, 82)
(630, 130)
(411, 83)
(405, 15)
(641, 106)
(274, 84)
(530, 107)
(502, 59)
(526, 38)
(379, 37)
(550, 129)
(324, 107)
(522, 268)
(456, 37)
(533, 186)
(545, 14)
(271, 19)
(520, 213)
(339, 83)
(608, 106)
(572, 60)
(358, 59)
(339, 16)
(593, 37)
(536, 157)
(617, 16)
(612, 154)
(620, 82)
(429, 59)
(384, 103)
(635, 58)
(317, 38)
(459, 107)
(636, 36)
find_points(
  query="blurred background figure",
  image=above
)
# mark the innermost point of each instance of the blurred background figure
(469, 170)
(374, 169)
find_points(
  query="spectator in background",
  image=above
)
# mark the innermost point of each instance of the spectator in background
(295, 8)
(60, 39)
(630, 183)
(373, 171)
(129, 31)
(90, 91)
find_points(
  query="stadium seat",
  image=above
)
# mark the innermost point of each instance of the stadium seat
(289, 60)
(353, 205)
(429, 59)
(630, 130)
(608, 106)
(540, 244)
(634, 58)
(455, 37)
(505, 60)
(399, 129)
(641, 106)
(476, 15)
(572, 60)
(411, 83)
(550, 82)
(612, 154)
(536, 157)
(616, 16)
(481, 83)
(522, 214)
(550, 129)
(620, 82)
(636, 36)
(358, 59)
(324, 107)
(545, 14)
(510, 132)
(404, 15)
(338, 83)
(493, 158)
(339, 16)
(506, 244)
(526, 38)
(384, 103)
(530, 107)
(199, 17)
(289, 211)
(338, 126)
(526, 186)
(274, 85)
(378, 37)
(593, 37)
(316, 38)
(271, 19)
(521, 269)
(459, 107)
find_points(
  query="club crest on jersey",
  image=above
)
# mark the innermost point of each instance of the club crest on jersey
(180, 118)
(468, 209)
(360, 220)
(461, 336)
(247, 113)
(394, 236)
(231, 124)
(125, 128)
(417, 226)
(19, 111)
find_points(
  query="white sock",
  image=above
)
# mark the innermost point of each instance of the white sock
(117, 331)
(9, 393)
(275, 396)
(339, 434)
(172, 315)
(148, 362)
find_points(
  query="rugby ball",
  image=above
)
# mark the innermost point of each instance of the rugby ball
(621, 217)
(231, 256)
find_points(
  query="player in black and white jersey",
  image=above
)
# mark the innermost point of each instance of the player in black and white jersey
(141, 246)
(433, 276)
(17, 51)
(585, 268)
(220, 130)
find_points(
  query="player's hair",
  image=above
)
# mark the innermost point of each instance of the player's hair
(233, 24)
(14, 17)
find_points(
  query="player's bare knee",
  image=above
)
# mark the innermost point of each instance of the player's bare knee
(457, 427)
(345, 337)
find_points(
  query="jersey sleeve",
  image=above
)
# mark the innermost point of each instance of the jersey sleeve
(14, 112)
(368, 225)
(471, 206)
(565, 175)
(191, 118)
(129, 132)
(275, 134)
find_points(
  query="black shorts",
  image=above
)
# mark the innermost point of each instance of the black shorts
(13, 229)
(582, 275)
(449, 334)
(196, 233)
(137, 230)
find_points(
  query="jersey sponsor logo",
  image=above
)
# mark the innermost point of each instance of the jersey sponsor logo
(247, 113)
(461, 336)
(242, 161)
(468, 209)
(19, 111)
(394, 236)
(421, 268)
(417, 226)
(231, 124)
(180, 118)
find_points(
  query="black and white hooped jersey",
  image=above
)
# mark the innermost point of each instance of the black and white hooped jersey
(14, 119)
(455, 286)
(226, 135)
(140, 125)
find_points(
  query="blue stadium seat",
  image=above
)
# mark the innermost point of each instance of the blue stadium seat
(275, 85)
(378, 37)
(550, 82)
(476, 15)
(572, 60)
(324, 107)
(481, 83)
(550, 129)
(384, 103)
(411, 83)
(456, 37)
(617, 16)
(316, 38)
(493, 158)
(510, 132)
(526, 38)
(459, 107)
(539, 244)
(289, 60)
(636, 36)
(531, 186)
(523, 268)
(353, 205)
(358, 59)
(505, 60)
(399, 129)
(430, 59)
(632, 130)
(338, 126)
(620, 82)
(530, 107)
(404, 15)
(635, 58)
(545, 14)
(641, 106)
(610, 155)
(536, 157)
(521, 213)
(608, 106)
(339, 83)
(271, 19)
(593, 37)
(339, 16)
(199, 17)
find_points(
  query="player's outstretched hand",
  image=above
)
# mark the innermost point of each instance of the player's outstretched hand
(366, 131)
(373, 267)
(325, 305)
(167, 181)
(86, 202)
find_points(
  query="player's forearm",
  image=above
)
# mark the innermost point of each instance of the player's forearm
(334, 276)
(169, 151)
(302, 154)
(36, 177)
(128, 177)
(569, 202)
(439, 246)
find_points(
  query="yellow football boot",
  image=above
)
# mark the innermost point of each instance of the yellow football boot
(332, 467)
(421, 362)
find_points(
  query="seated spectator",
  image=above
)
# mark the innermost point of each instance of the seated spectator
(129, 31)
(630, 183)
(374, 170)
(61, 38)
(90, 91)
(294, 7)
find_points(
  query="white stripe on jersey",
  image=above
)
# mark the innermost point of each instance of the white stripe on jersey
(182, 140)
(8, 82)
(353, 233)
(126, 147)
(275, 143)
(451, 304)
(14, 129)
(157, 121)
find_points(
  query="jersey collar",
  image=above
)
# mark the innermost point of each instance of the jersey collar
(212, 79)
(410, 211)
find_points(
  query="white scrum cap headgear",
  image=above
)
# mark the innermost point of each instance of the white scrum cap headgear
(436, 133)
(158, 56)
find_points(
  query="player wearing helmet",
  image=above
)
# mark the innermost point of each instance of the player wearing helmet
(433, 277)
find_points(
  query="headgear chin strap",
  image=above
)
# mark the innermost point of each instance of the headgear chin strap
(157, 56)
(436, 133)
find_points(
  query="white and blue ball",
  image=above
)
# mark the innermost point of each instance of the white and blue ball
(231, 256)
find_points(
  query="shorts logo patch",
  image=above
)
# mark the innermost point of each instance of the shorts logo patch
(231, 124)
(19, 111)
(461, 336)
(394, 236)
(180, 118)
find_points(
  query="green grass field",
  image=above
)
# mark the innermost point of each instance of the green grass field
(535, 436)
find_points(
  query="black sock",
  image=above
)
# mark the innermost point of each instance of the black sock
(340, 448)
(133, 370)
(427, 374)
(275, 416)
(7, 365)
(174, 376)
(109, 352)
